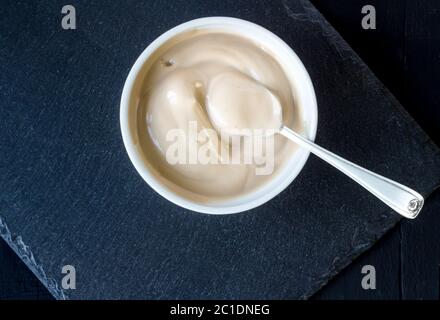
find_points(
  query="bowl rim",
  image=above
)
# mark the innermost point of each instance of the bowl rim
(150, 178)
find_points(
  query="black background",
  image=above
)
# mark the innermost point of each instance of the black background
(404, 52)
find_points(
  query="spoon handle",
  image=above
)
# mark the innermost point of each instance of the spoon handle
(403, 200)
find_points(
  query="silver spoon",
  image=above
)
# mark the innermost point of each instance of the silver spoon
(223, 110)
(400, 198)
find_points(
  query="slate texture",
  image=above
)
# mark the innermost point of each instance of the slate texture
(69, 194)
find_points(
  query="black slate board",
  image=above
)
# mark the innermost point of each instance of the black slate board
(69, 194)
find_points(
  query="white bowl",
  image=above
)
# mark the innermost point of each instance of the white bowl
(305, 101)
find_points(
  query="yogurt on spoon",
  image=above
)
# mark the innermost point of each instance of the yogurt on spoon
(239, 105)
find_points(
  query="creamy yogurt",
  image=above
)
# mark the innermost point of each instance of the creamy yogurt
(203, 81)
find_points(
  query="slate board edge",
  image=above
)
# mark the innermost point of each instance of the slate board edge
(356, 254)
(335, 37)
(337, 268)
(24, 252)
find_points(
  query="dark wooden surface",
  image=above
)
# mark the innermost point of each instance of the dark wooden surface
(404, 52)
